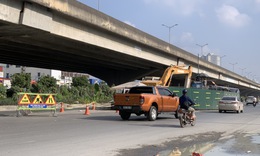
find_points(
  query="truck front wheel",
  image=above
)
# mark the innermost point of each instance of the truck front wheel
(152, 114)
(124, 115)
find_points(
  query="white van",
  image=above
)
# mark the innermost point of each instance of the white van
(251, 100)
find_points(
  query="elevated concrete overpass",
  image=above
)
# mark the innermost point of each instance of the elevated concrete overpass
(70, 36)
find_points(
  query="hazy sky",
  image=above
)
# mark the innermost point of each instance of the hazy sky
(229, 27)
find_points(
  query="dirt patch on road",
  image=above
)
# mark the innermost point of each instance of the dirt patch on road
(208, 144)
(184, 143)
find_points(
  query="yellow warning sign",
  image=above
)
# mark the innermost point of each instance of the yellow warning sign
(37, 99)
(50, 100)
(25, 100)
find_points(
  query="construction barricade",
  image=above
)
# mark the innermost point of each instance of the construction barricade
(205, 99)
(28, 102)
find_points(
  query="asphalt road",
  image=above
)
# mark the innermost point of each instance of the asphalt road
(104, 133)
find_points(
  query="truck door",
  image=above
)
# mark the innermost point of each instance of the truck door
(168, 103)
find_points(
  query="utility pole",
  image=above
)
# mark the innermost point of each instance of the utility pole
(169, 27)
(98, 4)
(201, 49)
(242, 71)
(221, 59)
(233, 64)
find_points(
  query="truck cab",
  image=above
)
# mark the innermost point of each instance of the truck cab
(147, 100)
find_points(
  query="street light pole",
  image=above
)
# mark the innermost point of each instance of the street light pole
(248, 73)
(169, 27)
(198, 63)
(242, 71)
(233, 64)
(221, 59)
(201, 48)
(253, 77)
(98, 4)
(256, 79)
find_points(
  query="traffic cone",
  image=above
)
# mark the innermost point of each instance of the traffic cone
(87, 111)
(61, 107)
(93, 106)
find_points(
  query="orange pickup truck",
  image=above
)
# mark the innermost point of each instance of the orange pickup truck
(147, 100)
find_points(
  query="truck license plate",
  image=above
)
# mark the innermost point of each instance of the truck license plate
(127, 107)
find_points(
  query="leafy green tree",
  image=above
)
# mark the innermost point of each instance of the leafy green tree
(47, 84)
(81, 90)
(97, 89)
(106, 89)
(34, 88)
(21, 80)
(80, 81)
(64, 90)
(20, 83)
(2, 91)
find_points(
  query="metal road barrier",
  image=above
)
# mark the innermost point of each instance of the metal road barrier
(28, 102)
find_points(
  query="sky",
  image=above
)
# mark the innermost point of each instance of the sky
(229, 27)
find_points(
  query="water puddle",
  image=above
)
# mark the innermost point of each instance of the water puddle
(239, 145)
(226, 149)
(256, 139)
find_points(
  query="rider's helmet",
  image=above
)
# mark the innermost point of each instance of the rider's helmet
(184, 91)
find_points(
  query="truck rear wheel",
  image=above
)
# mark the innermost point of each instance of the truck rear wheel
(124, 115)
(152, 114)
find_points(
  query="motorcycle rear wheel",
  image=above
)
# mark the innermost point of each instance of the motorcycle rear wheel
(182, 124)
(193, 122)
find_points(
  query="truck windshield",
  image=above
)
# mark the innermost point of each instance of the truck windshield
(140, 90)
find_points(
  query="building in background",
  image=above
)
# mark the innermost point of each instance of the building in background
(35, 73)
(66, 78)
(62, 77)
(4, 81)
(1, 72)
(215, 59)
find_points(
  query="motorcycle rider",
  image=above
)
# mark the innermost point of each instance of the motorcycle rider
(186, 103)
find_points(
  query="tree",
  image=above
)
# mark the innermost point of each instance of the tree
(21, 80)
(47, 84)
(81, 90)
(106, 89)
(2, 91)
(80, 81)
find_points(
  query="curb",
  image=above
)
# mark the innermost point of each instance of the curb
(67, 107)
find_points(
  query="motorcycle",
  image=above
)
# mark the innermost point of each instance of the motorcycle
(185, 117)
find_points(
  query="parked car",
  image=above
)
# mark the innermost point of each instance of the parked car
(230, 103)
(251, 100)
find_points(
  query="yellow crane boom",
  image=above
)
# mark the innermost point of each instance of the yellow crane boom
(166, 78)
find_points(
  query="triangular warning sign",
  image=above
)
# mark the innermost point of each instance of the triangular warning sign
(24, 100)
(50, 100)
(37, 99)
